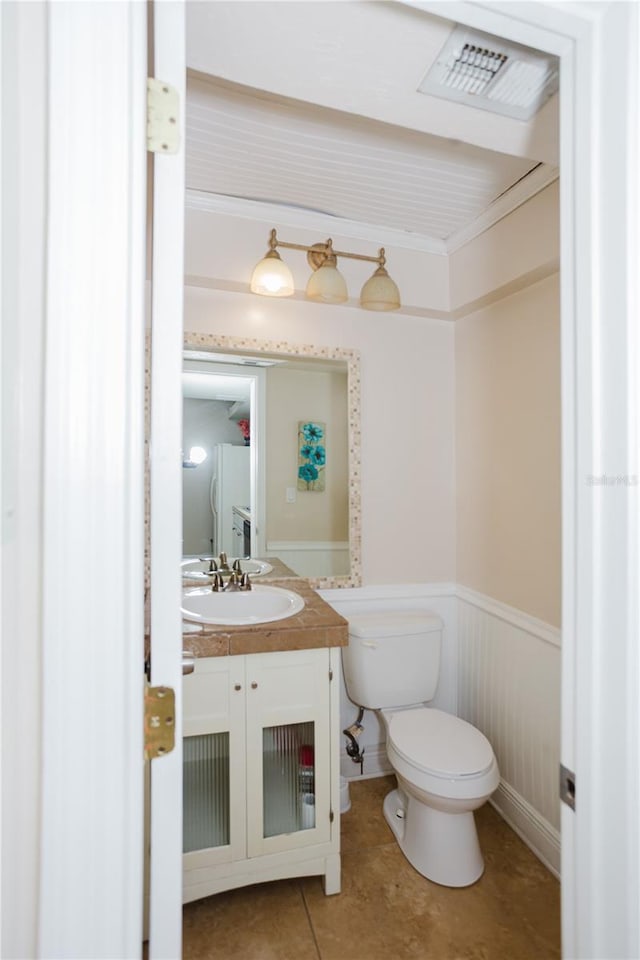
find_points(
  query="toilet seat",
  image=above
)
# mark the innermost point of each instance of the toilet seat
(439, 744)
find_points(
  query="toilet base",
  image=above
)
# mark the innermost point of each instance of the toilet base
(443, 847)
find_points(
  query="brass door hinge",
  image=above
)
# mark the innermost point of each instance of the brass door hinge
(331, 816)
(159, 721)
(163, 112)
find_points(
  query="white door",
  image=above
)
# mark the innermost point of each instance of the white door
(169, 66)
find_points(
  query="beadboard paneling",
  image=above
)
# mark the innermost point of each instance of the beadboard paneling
(509, 687)
(242, 145)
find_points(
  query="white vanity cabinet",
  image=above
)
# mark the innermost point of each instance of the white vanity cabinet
(261, 770)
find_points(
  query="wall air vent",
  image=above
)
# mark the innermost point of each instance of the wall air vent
(493, 74)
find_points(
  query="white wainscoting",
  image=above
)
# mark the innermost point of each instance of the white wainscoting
(311, 558)
(501, 672)
(509, 687)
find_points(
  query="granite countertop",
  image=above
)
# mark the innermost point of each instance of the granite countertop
(317, 625)
(280, 571)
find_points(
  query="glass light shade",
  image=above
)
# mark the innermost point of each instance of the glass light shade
(380, 292)
(197, 455)
(272, 278)
(327, 285)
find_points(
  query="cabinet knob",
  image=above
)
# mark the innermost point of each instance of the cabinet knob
(237, 686)
(254, 685)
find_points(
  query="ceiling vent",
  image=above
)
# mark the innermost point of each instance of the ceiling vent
(493, 74)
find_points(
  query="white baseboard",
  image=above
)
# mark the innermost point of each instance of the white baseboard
(538, 834)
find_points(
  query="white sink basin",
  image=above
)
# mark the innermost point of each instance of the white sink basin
(197, 569)
(261, 604)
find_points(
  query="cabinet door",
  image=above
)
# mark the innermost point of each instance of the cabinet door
(288, 750)
(214, 784)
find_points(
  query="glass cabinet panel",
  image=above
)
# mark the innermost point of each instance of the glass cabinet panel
(205, 791)
(288, 770)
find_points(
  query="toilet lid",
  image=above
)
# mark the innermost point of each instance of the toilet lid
(439, 743)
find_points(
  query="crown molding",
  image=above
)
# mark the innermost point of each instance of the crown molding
(519, 193)
(311, 220)
(524, 190)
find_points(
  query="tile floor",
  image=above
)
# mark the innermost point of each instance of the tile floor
(386, 910)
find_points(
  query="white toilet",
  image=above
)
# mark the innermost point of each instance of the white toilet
(445, 768)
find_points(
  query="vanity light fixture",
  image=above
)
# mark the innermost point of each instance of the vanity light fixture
(197, 455)
(272, 277)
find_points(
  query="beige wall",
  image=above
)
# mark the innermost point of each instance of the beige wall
(518, 249)
(493, 403)
(292, 396)
(508, 450)
(407, 399)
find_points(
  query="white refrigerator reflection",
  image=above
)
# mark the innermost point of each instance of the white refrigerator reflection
(230, 487)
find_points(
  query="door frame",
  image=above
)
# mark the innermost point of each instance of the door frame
(601, 847)
(600, 371)
(257, 416)
(166, 235)
(92, 561)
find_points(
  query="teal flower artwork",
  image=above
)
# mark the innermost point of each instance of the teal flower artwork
(312, 455)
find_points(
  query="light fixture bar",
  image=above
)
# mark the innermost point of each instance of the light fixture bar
(272, 278)
(338, 253)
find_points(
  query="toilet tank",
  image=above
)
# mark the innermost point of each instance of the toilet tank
(393, 658)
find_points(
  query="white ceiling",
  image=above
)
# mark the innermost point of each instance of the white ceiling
(314, 105)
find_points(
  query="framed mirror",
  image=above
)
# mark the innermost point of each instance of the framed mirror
(271, 455)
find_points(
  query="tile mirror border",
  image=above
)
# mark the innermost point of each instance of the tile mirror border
(209, 342)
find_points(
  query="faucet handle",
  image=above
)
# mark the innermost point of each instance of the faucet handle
(237, 566)
(213, 566)
(234, 581)
(245, 582)
(217, 583)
